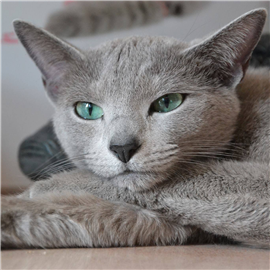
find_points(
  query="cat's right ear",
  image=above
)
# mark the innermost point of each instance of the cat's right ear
(53, 56)
(223, 58)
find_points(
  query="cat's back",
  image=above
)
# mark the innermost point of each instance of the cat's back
(253, 126)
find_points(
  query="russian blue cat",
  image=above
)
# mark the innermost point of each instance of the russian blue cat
(170, 141)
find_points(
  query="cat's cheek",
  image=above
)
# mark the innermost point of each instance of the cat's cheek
(87, 139)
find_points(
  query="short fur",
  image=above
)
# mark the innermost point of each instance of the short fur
(201, 173)
(83, 18)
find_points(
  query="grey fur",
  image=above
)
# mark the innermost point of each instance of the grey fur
(85, 18)
(202, 171)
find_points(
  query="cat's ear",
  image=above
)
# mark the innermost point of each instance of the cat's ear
(53, 56)
(224, 57)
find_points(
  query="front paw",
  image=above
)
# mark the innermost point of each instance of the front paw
(38, 189)
(13, 214)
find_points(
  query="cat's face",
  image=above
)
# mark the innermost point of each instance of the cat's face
(129, 76)
(124, 78)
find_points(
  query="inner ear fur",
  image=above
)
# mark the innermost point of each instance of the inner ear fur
(53, 56)
(224, 57)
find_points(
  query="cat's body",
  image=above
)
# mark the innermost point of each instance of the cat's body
(85, 18)
(200, 173)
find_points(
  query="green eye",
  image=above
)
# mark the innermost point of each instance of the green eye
(88, 111)
(167, 103)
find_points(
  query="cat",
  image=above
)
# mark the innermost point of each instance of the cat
(170, 141)
(85, 18)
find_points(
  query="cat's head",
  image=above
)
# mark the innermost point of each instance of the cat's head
(136, 110)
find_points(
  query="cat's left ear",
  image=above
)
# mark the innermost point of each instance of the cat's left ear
(53, 56)
(224, 57)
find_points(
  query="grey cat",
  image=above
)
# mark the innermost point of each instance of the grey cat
(83, 18)
(171, 142)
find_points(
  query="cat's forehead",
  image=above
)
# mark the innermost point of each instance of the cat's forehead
(139, 50)
(132, 64)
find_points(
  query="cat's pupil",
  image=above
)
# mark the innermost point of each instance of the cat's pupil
(90, 108)
(166, 101)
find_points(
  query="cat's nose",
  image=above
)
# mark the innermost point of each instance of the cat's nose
(125, 152)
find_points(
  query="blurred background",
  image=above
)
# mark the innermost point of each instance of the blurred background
(25, 108)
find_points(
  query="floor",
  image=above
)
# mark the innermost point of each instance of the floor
(181, 257)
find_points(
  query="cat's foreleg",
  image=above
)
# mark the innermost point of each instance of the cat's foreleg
(236, 202)
(244, 219)
(74, 181)
(84, 221)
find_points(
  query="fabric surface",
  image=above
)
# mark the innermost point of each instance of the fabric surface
(170, 257)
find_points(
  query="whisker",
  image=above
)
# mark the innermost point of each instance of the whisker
(53, 165)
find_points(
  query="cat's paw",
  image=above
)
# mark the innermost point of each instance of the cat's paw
(7, 222)
(38, 189)
(13, 214)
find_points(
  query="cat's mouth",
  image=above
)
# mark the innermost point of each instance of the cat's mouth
(127, 173)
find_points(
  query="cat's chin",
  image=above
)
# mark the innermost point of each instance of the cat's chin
(136, 181)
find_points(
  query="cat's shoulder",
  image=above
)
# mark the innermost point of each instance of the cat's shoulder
(256, 85)
(253, 126)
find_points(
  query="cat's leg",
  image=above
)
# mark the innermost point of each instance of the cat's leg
(74, 181)
(237, 205)
(84, 221)
(244, 219)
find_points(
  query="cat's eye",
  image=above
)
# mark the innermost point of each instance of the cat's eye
(88, 111)
(167, 103)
